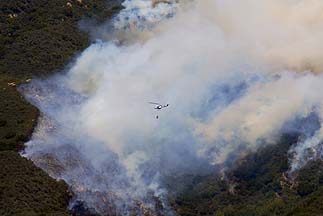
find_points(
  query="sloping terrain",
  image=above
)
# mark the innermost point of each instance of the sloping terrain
(258, 185)
(27, 190)
(37, 38)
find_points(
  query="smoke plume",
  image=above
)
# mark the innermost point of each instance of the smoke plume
(234, 73)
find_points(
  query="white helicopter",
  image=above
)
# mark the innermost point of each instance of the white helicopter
(158, 107)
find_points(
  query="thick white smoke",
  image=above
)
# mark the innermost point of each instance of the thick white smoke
(233, 72)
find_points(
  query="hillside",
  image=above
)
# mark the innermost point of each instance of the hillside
(37, 38)
(257, 185)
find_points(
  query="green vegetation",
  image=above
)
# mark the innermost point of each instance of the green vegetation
(17, 118)
(37, 38)
(28, 190)
(257, 186)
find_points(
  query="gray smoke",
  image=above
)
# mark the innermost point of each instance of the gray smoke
(233, 72)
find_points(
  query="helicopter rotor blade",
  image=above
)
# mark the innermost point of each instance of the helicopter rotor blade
(154, 103)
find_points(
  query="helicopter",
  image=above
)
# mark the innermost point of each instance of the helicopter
(158, 106)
